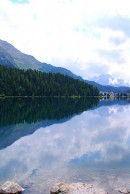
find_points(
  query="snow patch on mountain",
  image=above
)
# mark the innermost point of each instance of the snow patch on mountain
(107, 79)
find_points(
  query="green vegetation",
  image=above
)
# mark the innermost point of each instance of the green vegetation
(15, 82)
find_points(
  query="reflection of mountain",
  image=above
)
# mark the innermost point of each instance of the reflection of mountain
(111, 106)
(21, 117)
(11, 133)
(19, 110)
(112, 102)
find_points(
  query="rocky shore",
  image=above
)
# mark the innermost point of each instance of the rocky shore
(76, 188)
(10, 187)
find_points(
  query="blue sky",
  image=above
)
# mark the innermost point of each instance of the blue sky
(20, 1)
(89, 37)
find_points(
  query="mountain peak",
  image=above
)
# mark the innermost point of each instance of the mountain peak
(107, 79)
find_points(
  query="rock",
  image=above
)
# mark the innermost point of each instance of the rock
(123, 190)
(76, 188)
(11, 188)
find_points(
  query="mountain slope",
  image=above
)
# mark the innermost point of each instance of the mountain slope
(10, 56)
(6, 59)
(108, 88)
(24, 61)
(52, 69)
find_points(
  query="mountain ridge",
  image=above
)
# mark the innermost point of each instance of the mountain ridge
(108, 79)
(24, 61)
(17, 59)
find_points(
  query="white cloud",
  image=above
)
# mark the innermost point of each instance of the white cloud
(70, 32)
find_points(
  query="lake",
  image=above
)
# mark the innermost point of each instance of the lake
(50, 140)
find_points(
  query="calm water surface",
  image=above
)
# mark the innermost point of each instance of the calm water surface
(44, 141)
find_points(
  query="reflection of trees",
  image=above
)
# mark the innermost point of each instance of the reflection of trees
(20, 110)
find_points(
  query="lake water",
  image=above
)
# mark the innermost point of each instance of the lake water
(44, 141)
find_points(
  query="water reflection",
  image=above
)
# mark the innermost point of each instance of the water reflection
(91, 147)
(21, 110)
(21, 117)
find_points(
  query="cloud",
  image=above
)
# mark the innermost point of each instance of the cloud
(113, 56)
(116, 23)
(70, 32)
(94, 69)
(116, 40)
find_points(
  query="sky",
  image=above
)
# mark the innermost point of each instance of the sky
(88, 37)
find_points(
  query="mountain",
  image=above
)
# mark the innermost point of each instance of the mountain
(21, 60)
(107, 79)
(6, 58)
(10, 56)
(108, 88)
(24, 61)
(52, 69)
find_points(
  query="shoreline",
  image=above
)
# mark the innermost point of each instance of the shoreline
(10, 187)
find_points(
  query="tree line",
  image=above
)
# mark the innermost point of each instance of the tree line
(17, 82)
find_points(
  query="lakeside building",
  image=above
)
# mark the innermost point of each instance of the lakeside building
(114, 94)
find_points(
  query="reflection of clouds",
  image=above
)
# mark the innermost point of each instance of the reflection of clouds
(112, 110)
(88, 138)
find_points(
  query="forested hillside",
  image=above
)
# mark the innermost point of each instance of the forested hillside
(15, 82)
(12, 57)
